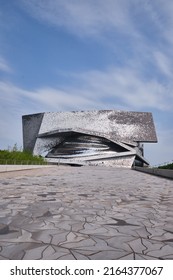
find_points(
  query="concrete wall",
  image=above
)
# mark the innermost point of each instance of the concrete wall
(11, 167)
(156, 171)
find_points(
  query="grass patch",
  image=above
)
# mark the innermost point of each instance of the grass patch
(19, 157)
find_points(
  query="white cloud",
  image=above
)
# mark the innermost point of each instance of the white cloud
(164, 63)
(165, 17)
(44, 99)
(4, 67)
(95, 89)
(80, 16)
(105, 19)
(127, 85)
(95, 17)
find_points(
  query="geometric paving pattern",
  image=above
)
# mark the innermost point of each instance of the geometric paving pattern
(93, 213)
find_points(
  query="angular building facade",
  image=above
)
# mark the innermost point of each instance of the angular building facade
(105, 137)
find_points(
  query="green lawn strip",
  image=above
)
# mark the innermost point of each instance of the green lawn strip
(19, 157)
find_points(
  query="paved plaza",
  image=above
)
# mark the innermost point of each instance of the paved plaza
(94, 213)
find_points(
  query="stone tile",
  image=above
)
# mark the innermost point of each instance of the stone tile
(101, 244)
(86, 252)
(78, 222)
(44, 236)
(3, 258)
(67, 257)
(15, 251)
(121, 242)
(59, 238)
(37, 225)
(108, 255)
(4, 229)
(93, 229)
(81, 244)
(35, 253)
(11, 235)
(163, 252)
(55, 256)
(169, 257)
(66, 225)
(18, 237)
(48, 252)
(151, 245)
(142, 232)
(128, 230)
(75, 237)
(137, 246)
(155, 232)
(167, 236)
(128, 257)
(143, 257)
(77, 227)
(79, 256)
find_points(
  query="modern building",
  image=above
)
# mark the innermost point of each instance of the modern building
(105, 137)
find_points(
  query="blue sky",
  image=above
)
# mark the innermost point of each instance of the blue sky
(61, 55)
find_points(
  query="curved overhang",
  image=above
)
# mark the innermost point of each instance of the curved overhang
(90, 136)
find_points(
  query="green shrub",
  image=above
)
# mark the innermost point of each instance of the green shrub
(14, 156)
(167, 166)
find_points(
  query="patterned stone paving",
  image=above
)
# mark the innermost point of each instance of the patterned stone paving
(94, 213)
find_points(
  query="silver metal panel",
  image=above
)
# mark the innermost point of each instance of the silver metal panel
(116, 125)
(106, 137)
(31, 126)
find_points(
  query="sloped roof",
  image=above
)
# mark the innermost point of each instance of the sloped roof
(112, 124)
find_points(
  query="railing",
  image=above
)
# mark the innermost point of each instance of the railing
(162, 164)
(21, 162)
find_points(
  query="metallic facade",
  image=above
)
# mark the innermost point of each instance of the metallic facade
(105, 137)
